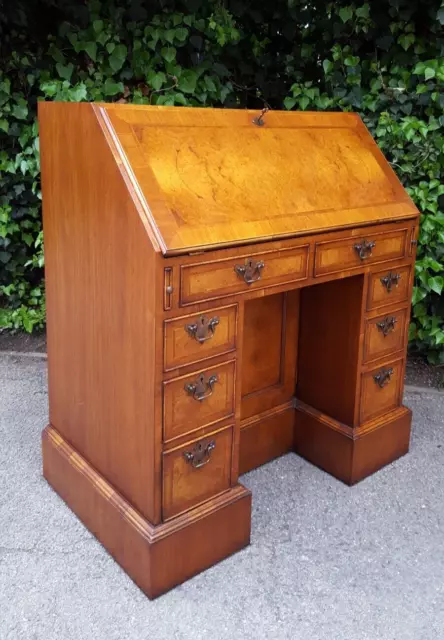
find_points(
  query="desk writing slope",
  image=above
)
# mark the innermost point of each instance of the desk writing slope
(218, 294)
(216, 179)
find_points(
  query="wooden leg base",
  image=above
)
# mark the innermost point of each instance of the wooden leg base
(351, 454)
(158, 557)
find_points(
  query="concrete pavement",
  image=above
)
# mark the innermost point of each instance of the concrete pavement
(327, 562)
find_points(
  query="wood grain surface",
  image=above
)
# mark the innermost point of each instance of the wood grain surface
(212, 178)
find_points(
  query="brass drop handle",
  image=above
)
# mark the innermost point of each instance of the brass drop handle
(251, 271)
(364, 249)
(200, 455)
(202, 388)
(389, 280)
(387, 325)
(383, 377)
(203, 329)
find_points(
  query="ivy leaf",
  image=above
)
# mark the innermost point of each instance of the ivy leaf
(304, 101)
(118, 57)
(289, 103)
(91, 50)
(65, 71)
(418, 295)
(5, 86)
(168, 35)
(20, 111)
(98, 26)
(436, 284)
(429, 73)
(440, 14)
(188, 81)
(181, 34)
(4, 125)
(351, 61)
(111, 88)
(346, 14)
(179, 98)
(364, 11)
(406, 40)
(168, 53)
(439, 337)
(419, 68)
(78, 93)
(156, 80)
(328, 66)
(209, 83)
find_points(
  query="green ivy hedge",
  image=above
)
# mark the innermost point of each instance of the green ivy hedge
(383, 59)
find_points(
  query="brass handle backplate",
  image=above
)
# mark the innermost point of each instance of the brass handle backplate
(364, 249)
(200, 455)
(387, 325)
(203, 329)
(201, 388)
(389, 280)
(383, 377)
(250, 271)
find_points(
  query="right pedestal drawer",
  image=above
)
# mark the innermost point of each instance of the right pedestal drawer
(389, 286)
(381, 389)
(385, 334)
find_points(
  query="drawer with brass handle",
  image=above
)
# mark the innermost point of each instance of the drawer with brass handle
(381, 389)
(196, 337)
(196, 471)
(218, 278)
(385, 334)
(389, 286)
(198, 400)
(352, 253)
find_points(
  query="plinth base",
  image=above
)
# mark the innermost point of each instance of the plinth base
(159, 557)
(351, 454)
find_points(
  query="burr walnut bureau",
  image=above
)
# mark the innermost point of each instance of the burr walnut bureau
(223, 287)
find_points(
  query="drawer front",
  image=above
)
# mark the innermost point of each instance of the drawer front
(196, 472)
(389, 286)
(381, 390)
(356, 252)
(208, 280)
(198, 400)
(384, 335)
(199, 336)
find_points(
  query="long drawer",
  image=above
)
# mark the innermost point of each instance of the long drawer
(207, 280)
(196, 471)
(357, 251)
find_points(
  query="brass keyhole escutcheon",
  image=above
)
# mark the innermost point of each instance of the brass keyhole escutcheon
(203, 329)
(364, 249)
(200, 455)
(387, 325)
(202, 388)
(389, 280)
(383, 377)
(251, 271)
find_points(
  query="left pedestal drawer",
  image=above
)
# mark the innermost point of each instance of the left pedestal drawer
(199, 336)
(198, 400)
(196, 471)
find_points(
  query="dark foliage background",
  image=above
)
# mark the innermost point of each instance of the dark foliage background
(384, 59)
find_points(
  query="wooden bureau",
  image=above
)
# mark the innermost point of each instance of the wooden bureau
(222, 288)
